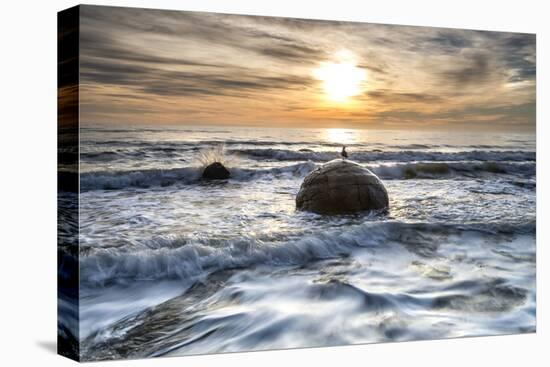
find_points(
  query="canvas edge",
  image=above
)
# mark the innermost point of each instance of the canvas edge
(68, 318)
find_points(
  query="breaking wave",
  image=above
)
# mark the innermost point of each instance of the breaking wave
(389, 171)
(452, 169)
(397, 156)
(186, 175)
(184, 258)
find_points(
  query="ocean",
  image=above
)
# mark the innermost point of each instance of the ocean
(174, 265)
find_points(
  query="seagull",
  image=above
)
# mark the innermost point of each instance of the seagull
(343, 153)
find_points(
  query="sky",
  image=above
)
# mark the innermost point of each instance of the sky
(143, 66)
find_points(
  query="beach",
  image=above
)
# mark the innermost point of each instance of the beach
(171, 264)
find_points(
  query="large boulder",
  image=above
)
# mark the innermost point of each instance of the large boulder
(215, 171)
(341, 187)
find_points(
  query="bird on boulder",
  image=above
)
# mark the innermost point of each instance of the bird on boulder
(343, 153)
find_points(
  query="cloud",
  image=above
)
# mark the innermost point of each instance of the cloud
(449, 40)
(97, 45)
(386, 96)
(519, 57)
(291, 52)
(519, 116)
(203, 28)
(108, 60)
(184, 83)
(475, 70)
(204, 67)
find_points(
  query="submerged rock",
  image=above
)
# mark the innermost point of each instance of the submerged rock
(215, 171)
(341, 187)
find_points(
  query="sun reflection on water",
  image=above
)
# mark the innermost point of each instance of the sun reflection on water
(341, 136)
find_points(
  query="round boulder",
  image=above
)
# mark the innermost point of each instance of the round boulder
(341, 187)
(215, 171)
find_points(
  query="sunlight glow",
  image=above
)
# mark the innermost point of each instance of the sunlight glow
(340, 136)
(341, 79)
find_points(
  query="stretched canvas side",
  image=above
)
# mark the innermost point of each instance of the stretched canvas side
(67, 192)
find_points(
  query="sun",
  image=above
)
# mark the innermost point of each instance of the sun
(341, 79)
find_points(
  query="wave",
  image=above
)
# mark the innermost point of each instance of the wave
(134, 154)
(296, 150)
(138, 179)
(114, 150)
(106, 156)
(184, 258)
(397, 156)
(452, 169)
(393, 171)
(187, 175)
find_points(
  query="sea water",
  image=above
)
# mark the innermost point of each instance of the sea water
(173, 265)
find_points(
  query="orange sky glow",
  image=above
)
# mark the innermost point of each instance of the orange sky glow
(168, 67)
